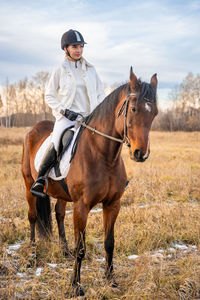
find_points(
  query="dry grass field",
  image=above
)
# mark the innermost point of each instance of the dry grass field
(157, 233)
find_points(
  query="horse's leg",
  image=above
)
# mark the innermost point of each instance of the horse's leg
(60, 216)
(80, 220)
(32, 214)
(28, 180)
(110, 213)
(32, 217)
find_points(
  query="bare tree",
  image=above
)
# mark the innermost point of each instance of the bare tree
(24, 100)
(38, 83)
(185, 113)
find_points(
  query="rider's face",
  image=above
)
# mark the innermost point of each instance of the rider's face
(75, 51)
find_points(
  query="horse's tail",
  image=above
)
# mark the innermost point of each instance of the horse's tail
(41, 214)
(43, 221)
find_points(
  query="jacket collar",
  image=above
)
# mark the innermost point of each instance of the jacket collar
(84, 64)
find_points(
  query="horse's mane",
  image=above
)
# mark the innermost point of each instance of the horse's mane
(108, 105)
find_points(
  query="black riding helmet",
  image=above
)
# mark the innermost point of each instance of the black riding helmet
(72, 37)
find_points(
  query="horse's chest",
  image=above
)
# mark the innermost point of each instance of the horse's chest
(97, 189)
(104, 187)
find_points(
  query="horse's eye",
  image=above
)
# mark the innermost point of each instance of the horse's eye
(133, 109)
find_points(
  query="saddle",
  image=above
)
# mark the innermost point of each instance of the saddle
(64, 156)
(65, 141)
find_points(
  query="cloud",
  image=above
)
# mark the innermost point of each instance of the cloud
(154, 36)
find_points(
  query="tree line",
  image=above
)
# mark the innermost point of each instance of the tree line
(184, 115)
(22, 104)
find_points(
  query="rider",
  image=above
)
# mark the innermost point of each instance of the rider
(73, 88)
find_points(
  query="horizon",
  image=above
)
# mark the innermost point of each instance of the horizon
(153, 37)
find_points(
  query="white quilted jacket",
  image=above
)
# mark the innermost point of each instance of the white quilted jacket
(61, 87)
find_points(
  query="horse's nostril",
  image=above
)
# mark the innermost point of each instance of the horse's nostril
(137, 154)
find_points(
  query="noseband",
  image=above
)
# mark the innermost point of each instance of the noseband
(122, 111)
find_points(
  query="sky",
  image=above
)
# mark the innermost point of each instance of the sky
(153, 36)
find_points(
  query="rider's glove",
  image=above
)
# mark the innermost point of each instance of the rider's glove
(70, 114)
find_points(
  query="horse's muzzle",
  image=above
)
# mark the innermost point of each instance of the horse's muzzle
(138, 155)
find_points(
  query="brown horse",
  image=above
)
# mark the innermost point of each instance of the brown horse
(97, 173)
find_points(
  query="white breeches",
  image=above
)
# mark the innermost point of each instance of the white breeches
(59, 126)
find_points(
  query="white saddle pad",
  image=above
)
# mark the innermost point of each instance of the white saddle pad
(64, 164)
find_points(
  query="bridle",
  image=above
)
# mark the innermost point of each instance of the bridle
(122, 111)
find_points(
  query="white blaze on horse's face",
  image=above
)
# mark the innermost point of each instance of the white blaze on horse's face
(147, 107)
(147, 151)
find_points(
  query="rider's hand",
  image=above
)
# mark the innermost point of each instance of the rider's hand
(70, 114)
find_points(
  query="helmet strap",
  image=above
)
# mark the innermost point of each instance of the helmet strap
(76, 60)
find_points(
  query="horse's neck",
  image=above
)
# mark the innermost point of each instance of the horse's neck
(102, 146)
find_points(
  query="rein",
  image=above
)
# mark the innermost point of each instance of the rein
(123, 110)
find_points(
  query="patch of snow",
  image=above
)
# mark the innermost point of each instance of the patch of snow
(171, 249)
(194, 247)
(134, 256)
(160, 251)
(141, 205)
(180, 246)
(3, 219)
(100, 259)
(96, 210)
(19, 296)
(21, 274)
(157, 255)
(38, 272)
(52, 265)
(68, 211)
(14, 247)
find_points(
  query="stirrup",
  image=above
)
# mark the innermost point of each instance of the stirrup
(36, 183)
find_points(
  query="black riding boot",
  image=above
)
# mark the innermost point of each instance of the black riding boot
(46, 164)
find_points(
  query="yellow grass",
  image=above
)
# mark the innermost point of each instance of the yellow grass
(160, 208)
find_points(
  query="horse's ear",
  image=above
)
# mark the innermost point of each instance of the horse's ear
(132, 75)
(134, 84)
(154, 81)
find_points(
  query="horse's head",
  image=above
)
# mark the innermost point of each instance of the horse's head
(139, 109)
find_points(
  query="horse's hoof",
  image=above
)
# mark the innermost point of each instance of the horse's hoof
(111, 280)
(31, 260)
(32, 244)
(78, 291)
(68, 254)
(32, 257)
(114, 284)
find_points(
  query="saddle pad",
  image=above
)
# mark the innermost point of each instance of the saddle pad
(64, 164)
